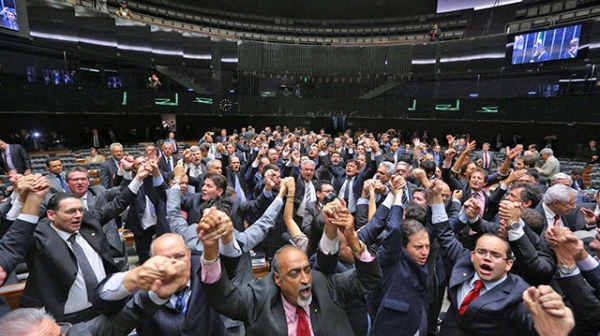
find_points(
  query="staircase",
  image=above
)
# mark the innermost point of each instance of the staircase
(181, 79)
(381, 89)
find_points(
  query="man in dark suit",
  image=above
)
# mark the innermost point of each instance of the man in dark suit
(488, 159)
(171, 139)
(578, 276)
(313, 209)
(235, 177)
(167, 161)
(14, 157)
(96, 197)
(109, 169)
(17, 239)
(590, 152)
(485, 298)
(96, 140)
(559, 208)
(28, 142)
(147, 214)
(292, 299)
(60, 277)
(185, 313)
(349, 182)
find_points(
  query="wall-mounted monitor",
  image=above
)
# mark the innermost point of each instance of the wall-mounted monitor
(455, 5)
(13, 18)
(557, 44)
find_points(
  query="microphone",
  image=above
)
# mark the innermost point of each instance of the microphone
(286, 236)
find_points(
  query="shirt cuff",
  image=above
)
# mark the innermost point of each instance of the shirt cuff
(389, 200)
(157, 300)
(363, 201)
(366, 256)
(503, 186)
(14, 211)
(113, 289)
(135, 185)
(32, 219)
(231, 249)
(156, 181)
(329, 246)
(587, 264)
(574, 273)
(254, 164)
(446, 165)
(438, 213)
(211, 272)
(518, 233)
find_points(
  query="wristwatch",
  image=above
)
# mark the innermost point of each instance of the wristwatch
(566, 270)
(360, 251)
(514, 226)
(176, 181)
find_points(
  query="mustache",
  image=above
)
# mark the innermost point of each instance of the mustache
(304, 287)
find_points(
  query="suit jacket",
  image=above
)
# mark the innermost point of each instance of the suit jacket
(584, 300)
(573, 219)
(52, 264)
(96, 198)
(108, 170)
(55, 186)
(158, 198)
(162, 163)
(99, 159)
(136, 310)
(401, 301)
(259, 304)
(13, 247)
(19, 158)
(363, 175)
(551, 167)
(101, 142)
(493, 160)
(499, 311)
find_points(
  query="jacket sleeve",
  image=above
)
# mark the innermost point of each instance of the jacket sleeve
(391, 249)
(256, 232)
(177, 223)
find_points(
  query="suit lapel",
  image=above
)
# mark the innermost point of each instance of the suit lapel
(91, 201)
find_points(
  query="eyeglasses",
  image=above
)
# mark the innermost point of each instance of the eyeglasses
(493, 254)
(64, 328)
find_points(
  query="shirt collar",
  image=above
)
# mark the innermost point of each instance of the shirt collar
(290, 310)
(548, 211)
(62, 234)
(489, 285)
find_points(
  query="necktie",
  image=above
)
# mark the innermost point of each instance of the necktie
(238, 188)
(405, 196)
(169, 164)
(302, 329)
(486, 163)
(472, 295)
(180, 304)
(5, 161)
(62, 182)
(91, 281)
(556, 220)
(197, 171)
(96, 143)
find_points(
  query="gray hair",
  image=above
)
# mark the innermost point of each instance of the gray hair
(194, 149)
(547, 151)
(275, 264)
(559, 192)
(165, 236)
(211, 163)
(390, 167)
(561, 176)
(305, 162)
(115, 144)
(22, 321)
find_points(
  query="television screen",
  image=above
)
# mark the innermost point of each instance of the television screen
(547, 45)
(9, 15)
(13, 18)
(454, 5)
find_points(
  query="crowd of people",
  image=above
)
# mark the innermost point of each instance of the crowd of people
(365, 235)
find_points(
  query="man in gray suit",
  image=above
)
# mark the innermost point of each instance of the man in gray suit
(488, 159)
(109, 168)
(551, 166)
(291, 300)
(55, 175)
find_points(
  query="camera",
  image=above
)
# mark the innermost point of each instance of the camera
(329, 198)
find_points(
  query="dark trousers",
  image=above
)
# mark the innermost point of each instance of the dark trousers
(142, 244)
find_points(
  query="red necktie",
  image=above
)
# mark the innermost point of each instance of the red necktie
(556, 220)
(6, 169)
(485, 160)
(472, 295)
(302, 329)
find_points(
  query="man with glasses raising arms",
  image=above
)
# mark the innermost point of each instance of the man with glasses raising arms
(485, 298)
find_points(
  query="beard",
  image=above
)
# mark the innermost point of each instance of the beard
(304, 301)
